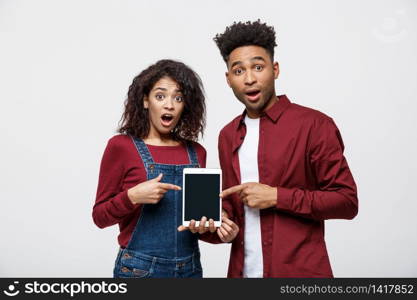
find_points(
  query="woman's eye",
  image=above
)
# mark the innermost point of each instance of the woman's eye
(179, 98)
(159, 97)
(259, 68)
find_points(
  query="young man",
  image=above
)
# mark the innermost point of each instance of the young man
(284, 172)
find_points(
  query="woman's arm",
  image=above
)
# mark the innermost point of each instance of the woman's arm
(112, 204)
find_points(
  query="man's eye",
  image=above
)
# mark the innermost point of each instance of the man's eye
(238, 71)
(259, 68)
(159, 97)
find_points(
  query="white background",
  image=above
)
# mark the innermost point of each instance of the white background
(65, 67)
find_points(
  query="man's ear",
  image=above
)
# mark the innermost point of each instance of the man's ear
(276, 69)
(145, 102)
(227, 78)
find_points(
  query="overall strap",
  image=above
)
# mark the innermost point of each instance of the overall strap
(192, 154)
(143, 151)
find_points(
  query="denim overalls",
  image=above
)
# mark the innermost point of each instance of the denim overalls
(156, 248)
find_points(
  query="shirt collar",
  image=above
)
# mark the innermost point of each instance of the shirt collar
(273, 113)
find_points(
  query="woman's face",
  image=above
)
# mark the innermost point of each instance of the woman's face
(165, 104)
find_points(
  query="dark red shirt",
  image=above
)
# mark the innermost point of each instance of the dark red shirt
(122, 168)
(301, 152)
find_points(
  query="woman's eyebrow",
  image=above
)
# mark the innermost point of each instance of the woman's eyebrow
(160, 88)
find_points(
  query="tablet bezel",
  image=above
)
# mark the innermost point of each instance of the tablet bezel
(201, 171)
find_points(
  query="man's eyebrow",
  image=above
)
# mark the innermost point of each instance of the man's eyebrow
(258, 58)
(235, 63)
(238, 62)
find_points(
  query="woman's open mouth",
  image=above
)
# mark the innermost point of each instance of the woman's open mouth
(167, 119)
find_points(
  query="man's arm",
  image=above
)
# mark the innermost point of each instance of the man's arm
(336, 197)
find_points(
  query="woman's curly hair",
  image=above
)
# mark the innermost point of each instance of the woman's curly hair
(135, 119)
(246, 34)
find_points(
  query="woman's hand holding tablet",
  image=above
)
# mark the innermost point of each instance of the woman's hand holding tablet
(226, 232)
(200, 197)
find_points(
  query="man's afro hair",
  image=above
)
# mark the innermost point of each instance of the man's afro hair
(245, 34)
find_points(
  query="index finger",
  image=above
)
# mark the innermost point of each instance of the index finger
(232, 190)
(169, 186)
(182, 228)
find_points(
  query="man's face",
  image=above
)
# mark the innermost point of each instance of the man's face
(251, 75)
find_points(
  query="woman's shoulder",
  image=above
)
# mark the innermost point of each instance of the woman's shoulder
(120, 142)
(120, 139)
(201, 153)
(198, 147)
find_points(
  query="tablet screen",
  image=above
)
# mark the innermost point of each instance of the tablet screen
(202, 196)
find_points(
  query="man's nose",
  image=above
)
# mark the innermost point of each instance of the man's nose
(249, 78)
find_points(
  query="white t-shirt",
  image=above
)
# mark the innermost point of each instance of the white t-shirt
(248, 161)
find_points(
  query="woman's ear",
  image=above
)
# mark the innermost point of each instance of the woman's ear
(145, 102)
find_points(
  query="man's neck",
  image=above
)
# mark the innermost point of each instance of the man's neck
(269, 104)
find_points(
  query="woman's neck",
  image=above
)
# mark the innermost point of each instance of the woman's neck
(161, 140)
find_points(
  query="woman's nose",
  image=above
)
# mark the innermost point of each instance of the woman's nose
(169, 104)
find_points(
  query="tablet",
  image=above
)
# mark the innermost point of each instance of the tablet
(200, 195)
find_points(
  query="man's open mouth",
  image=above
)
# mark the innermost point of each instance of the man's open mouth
(253, 95)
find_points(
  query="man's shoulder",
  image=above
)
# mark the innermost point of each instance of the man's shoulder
(307, 114)
(230, 127)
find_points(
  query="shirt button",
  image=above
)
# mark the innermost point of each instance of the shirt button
(242, 137)
(241, 243)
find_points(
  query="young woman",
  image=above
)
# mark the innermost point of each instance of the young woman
(141, 175)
